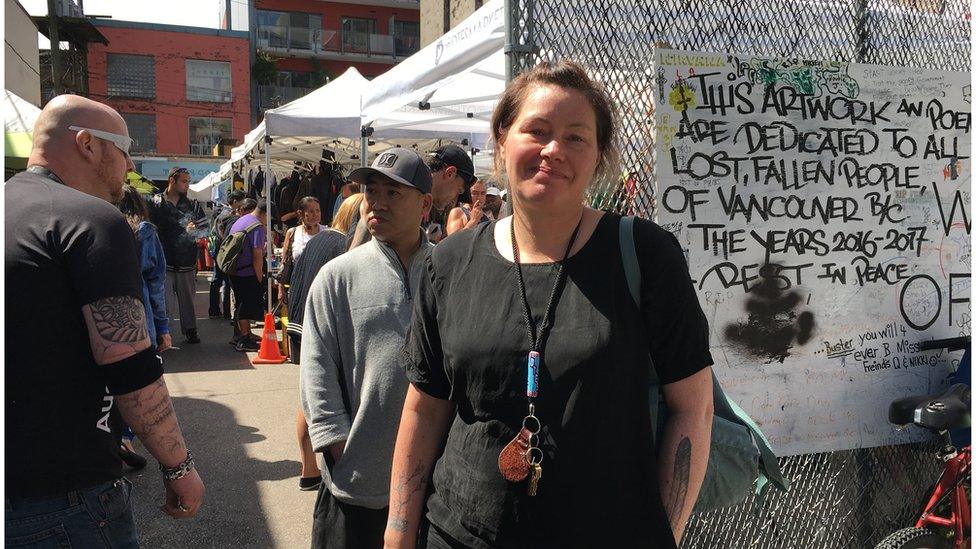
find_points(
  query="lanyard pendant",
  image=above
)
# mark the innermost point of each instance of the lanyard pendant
(532, 383)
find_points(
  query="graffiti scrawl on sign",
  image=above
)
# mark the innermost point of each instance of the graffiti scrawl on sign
(825, 211)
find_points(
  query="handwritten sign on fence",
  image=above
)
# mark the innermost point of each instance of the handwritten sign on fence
(825, 212)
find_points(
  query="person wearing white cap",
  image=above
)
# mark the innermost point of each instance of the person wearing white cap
(493, 201)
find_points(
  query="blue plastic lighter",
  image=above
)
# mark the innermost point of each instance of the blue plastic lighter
(532, 384)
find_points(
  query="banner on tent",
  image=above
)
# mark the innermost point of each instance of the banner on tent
(158, 170)
(825, 212)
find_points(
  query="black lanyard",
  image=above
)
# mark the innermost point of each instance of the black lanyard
(537, 338)
(41, 170)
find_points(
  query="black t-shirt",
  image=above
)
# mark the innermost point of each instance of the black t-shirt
(468, 344)
(63, 249)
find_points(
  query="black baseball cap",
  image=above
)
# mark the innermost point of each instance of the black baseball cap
(452, 155)
(399, 164)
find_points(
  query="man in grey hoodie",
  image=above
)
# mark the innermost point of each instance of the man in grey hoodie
(355, 324)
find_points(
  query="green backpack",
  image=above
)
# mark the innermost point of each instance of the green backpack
(231, 248)
(740, 456)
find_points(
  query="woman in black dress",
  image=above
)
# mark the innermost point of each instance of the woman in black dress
(529, 360)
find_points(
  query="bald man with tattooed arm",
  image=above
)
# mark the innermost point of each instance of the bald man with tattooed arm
(78, 352)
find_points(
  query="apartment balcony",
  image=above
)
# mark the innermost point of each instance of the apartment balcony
(270, 97)
(335, 44)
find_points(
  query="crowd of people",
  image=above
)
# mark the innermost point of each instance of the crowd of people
(454, 339)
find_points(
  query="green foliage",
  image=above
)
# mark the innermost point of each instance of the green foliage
(265, 70)
(320, 76)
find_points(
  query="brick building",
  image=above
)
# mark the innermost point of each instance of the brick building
(311, 41)
(182, 90)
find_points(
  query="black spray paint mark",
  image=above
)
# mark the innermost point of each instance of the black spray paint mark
(773, 323)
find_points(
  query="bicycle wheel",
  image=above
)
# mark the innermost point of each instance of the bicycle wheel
(912, 538)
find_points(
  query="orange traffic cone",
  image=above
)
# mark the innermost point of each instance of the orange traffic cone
(269, 352)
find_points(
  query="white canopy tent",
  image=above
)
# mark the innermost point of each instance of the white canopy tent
(18, 114)
(445, 91)
(450, 86)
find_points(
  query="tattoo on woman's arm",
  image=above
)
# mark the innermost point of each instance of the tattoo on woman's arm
(407, 487)
(679, 482)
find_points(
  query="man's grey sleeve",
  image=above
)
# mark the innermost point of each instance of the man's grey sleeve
(321, 392)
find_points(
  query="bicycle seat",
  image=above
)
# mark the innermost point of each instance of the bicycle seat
(950, 410)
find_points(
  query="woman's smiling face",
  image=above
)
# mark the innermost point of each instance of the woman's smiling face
(550, 151)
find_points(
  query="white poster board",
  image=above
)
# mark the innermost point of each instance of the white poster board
(825, 212)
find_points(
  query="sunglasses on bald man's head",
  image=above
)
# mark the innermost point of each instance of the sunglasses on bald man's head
(123, 142)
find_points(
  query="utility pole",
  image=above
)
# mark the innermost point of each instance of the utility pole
(52, 31)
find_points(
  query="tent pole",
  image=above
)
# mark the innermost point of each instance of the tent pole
(364, 135)
(267, 196)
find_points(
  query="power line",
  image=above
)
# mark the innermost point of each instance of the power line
(163, 104)
(17, 53)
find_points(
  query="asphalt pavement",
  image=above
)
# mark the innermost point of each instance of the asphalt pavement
(239, 421)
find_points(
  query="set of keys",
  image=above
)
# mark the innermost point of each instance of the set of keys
(533, 454)
(534, 477)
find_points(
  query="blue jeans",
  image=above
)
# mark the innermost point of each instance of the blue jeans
(100, 516)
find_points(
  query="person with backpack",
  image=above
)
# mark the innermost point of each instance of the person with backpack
(540, 402)
(218, 231)
(242, 257)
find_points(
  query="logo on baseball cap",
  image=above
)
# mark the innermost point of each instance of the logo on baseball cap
(399, 164)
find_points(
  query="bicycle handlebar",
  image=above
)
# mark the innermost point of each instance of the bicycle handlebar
(951, 344)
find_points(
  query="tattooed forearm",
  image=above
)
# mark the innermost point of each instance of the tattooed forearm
(149, 411)
(679, 482)
(412, 484)
(116, 328)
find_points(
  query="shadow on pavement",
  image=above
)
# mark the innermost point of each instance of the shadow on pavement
(232, 514)
(211, 354)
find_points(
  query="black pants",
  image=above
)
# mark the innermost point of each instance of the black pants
(219, 282)
(338, 525)
(295, 346)
(248, 298)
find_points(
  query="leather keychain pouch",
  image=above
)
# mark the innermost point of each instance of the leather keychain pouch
(511, 461)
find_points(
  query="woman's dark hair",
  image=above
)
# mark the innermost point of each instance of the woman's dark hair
(248, 205)
(565, 74)
(304, 202)
(133, 206)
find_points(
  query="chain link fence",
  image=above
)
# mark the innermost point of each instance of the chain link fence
(838, 499)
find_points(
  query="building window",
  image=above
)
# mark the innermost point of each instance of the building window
(142, 130)
(131, 76)
(295, 79)
(208, 81)
(407, 35)
(272, 29)
(205, 133)
(289, 30)
(355, 34)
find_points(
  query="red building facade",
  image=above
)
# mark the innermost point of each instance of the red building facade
(182, 90)
(311, 40)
